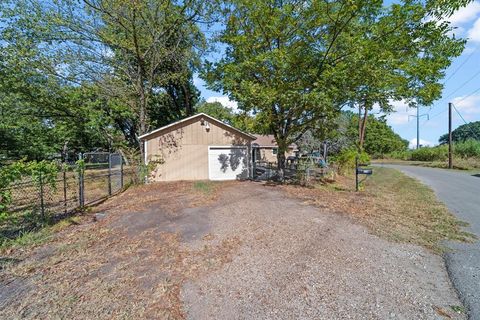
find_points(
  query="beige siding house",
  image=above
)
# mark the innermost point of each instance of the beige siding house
(198, 148)
(265, 148)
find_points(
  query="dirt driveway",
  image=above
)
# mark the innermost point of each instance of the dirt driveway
(236, 251)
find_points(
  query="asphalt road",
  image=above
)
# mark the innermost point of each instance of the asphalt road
(460, 191)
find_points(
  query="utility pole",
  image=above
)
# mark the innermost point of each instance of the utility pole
(418, 116)
(450, 163)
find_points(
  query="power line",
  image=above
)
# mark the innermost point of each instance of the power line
(469, 95)
(461, 65)
(458, 112)
(463, 84)
(471, 129)
(453, 74)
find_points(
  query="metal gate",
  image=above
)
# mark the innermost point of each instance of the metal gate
(101, 177)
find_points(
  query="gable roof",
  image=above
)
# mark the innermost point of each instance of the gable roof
(199, 115)
(268, 141)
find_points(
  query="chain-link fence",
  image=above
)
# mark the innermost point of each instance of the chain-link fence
(101, 176)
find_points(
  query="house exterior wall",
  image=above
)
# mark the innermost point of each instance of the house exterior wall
(183, 149)
(266, 154)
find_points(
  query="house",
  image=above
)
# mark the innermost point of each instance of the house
(265, 148)
(198, 148)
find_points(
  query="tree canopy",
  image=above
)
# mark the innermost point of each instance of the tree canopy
(298, 63)
(469, 131)
(89, 74)
(134, 60)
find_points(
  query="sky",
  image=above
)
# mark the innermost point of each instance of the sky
(461, 87)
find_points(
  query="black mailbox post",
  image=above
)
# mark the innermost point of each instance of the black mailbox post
(359, 170)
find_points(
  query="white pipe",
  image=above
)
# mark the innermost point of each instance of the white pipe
(145, 150)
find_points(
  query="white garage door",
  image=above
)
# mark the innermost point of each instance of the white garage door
(227, 163)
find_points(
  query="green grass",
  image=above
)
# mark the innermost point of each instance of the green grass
(458, 309)
(206, 187)
(37, 237)
(408, 211)
(466, 155)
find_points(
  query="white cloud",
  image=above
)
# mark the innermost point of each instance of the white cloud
(465, 14)
(468, 107)
(423, 143)
(399, 115)
(474, 32)
(225, 101)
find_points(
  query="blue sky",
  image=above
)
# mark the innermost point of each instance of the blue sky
(462, 87)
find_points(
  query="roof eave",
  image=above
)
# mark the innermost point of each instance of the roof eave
(144, 136)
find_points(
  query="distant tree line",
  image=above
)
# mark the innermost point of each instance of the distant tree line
(469, 131)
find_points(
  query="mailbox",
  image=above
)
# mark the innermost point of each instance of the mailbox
(359, 170)
(364, 171)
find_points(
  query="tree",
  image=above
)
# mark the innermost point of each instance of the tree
(407, 64)
(468, 131)
(298, 63)
(139, 54)
(39, 114)
(380, 139)
(240, 120)
(281, 60)
(216, 110)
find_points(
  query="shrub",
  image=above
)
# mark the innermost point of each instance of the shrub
(400, 155)
(345, 159)
(41, 173)
(467, 149)
(439, 153)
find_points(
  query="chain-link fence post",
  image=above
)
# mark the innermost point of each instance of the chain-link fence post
(121, 172)
(42, 203)
(109, 174)
(81, 187)
(64, 172)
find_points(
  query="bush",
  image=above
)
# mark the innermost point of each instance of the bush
(467, 149)
(400, 155)
(439, 153)
(345, 159)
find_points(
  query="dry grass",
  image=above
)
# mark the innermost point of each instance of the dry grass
(102, 270)
(471, 164)
(93, 270)
(393, 206)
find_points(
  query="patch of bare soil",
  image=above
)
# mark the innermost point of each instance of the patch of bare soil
(131, 264)
(299, 262)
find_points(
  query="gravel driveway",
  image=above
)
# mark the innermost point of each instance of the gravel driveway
(297, 262)
(244, 251)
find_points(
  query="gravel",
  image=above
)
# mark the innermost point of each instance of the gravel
(459, 191)
(298, 261)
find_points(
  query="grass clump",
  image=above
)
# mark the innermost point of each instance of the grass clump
(205, 187)
(466, 155)
(408, 211)
(439, 153)
(392, 206)
(467, 149)
(36, 237)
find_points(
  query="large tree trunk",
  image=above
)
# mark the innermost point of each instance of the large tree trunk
(186, 97)
(281, 159)
(362, 124)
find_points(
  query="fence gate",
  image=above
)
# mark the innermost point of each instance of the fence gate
(101, 177)
(115, 170)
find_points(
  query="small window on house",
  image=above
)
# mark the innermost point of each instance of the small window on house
(274, 150)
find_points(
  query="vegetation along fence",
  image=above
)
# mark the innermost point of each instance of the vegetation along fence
(38, 195)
